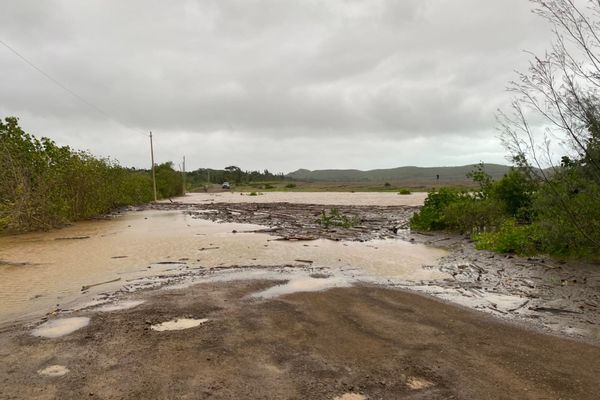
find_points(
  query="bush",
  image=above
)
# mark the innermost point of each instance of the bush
(43, 185)
(515, 192)
(567, 210)
(512, 238)
(290, 185)
(431, 215)
(471, 215)
(404, 191)
(169, 183)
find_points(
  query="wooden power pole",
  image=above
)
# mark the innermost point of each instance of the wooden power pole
(183, 176)
(153, 171)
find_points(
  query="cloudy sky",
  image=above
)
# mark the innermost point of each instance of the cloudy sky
(277, 84)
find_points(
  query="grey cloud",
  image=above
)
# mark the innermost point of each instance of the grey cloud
(343, 70)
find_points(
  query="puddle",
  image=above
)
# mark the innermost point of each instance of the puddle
(416, 383)
(121, 305)
(54, 371)
(304, 284)
(350, 396)
(178, 324)
(60, 327)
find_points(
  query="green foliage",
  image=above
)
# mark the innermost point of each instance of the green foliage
(515, 191)
(483, 179)
(404, 191)
(169, 183)
(387, 185)
(232, 174)
(470, 215)
(431, 216)
(335, 218)
(512, 238)
(518, 214)
(290, 186)
(567, 210)
(43, 185)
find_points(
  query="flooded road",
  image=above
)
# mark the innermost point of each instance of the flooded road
(324, 198)
(40, 272)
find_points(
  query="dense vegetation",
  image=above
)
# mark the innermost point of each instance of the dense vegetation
(231, 174)
(43, 185)
(521, 213)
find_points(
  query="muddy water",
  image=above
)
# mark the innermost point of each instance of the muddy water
(42, 270)
(328, 198)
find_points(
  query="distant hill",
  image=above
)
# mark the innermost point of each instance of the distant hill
(397, 175)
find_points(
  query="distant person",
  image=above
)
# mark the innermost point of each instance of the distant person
(437, 177)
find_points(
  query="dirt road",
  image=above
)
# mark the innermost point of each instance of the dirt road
(374, 342)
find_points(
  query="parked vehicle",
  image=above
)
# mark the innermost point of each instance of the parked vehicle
(226, 186)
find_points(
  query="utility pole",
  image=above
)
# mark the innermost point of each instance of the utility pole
(183, 175)
(153, 172)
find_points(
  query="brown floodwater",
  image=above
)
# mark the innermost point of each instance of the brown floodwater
(42, 271)
(325, 198)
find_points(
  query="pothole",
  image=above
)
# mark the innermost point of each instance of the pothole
(60, 327)
(54, 370)
(178, 324)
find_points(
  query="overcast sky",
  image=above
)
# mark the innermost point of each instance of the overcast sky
(277, 84)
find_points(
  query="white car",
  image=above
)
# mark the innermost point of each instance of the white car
(226, 186)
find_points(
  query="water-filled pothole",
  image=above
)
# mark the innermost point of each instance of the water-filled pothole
(178, 324)
(60, 327)
(350, 396)
(54, 370)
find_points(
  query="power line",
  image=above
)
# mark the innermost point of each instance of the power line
(65, 88)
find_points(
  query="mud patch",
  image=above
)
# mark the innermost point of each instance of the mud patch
(60, 327)
(416, 383)
(350, 396)
(178, 324)
(54, 371)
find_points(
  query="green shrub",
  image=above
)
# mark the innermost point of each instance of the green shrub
(512, 238)
(515, 192)
(404, 191)
(470, 215)
(567, 210)
(335, 218)
(387, 185)
(431, 215)
(43, 185)
(290, 185)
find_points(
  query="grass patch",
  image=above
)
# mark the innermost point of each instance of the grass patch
(336, 218)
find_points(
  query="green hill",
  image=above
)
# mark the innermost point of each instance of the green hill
(397, 175)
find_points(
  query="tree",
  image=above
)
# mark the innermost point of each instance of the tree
(556, 106)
